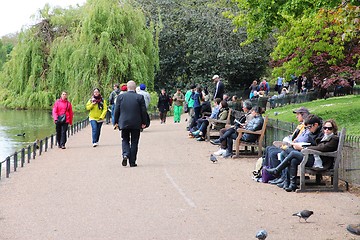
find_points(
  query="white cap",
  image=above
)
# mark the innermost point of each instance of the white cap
(215, 76)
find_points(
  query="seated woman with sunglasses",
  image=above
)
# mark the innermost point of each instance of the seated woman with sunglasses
(326, 142)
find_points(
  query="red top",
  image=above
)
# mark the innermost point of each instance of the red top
(60, 107)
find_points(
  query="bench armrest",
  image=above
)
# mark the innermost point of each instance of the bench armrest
(241, 130)
(311, 151)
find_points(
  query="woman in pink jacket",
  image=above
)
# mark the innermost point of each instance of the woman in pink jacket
(62, 107)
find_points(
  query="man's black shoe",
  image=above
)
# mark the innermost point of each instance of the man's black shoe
(124, 161)
(133, 165)
(215, 142)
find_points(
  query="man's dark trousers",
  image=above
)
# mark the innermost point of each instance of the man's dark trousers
(130, 141)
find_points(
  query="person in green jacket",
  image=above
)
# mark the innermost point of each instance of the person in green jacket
(190, 102)
(98, 108)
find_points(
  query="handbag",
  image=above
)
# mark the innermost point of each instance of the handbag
(62, 118)
(186, 108)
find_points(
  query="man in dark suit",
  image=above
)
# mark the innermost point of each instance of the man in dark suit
(130, 116)
(219, 87)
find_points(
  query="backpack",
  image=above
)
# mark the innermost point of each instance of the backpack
(114, 100)
(263, 87)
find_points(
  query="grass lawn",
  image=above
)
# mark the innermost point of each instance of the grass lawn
(345, 110)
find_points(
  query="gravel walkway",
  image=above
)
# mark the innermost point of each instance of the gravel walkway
(175, 193)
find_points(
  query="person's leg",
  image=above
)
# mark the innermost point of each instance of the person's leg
(125, 143)
(229, 143)
(99, 125)
(175, 113)
(93, 124)
(135, 135)
(58, 134)
(161, 116)
(284, 164)
(164, 116)
(223, 144)
(180, 109)
(113, 114)
(64, 128)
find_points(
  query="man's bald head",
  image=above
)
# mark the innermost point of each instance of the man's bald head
(131, 86)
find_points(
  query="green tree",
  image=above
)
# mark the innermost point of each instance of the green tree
(262, 17)
(77, 49)
(322, 45)
(196, 42)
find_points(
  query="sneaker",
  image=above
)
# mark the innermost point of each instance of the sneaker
(227, 154)
(195, 133)
(200, 139)
(354, 228)
(215, 142)
(124, 161)
(220, 152)
(95, 144)
(63, 147)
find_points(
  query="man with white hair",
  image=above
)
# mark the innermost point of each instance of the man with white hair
(130, 116)
(219, 87)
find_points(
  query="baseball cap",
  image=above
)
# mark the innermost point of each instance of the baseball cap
(215, 76)
(302, 110)
(123, 88)
(142, 86)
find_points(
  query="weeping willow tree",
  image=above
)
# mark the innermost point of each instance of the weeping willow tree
(96, 45)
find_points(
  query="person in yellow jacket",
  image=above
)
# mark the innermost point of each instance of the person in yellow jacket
(98, 108)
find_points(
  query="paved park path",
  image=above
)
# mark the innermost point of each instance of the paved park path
(174, 193)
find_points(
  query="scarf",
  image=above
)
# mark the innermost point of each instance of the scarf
(99, 100)
(326, 137)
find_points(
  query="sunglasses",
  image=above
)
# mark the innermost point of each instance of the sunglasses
(328, 128)
(309, 126)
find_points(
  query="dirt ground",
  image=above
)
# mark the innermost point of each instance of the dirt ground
(176, 192)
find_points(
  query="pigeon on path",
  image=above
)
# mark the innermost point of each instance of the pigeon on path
(213, 158)
(262, 234)
(305, 214)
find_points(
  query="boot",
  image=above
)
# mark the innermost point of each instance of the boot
(277, 170)
(286, 182)
(292, 185)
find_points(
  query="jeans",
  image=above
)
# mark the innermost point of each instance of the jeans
(130, 142)
(113, 114)
(96, 128)
(61, 136)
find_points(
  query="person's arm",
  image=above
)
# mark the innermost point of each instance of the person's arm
(54, 111)
(103, 113)
(71, 114)
(89, 105)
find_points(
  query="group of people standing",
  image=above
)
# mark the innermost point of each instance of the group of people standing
(128, 110)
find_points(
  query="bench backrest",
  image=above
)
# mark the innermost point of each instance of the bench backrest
(339, 148)
(263, 129)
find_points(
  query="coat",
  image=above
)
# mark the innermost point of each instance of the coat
(219, 90)
(327, 145)
(130, 111)
(163, 103)
(63, 106)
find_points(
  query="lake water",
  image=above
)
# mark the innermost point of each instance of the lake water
(35, 124)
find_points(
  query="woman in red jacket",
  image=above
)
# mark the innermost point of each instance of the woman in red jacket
(62, 107)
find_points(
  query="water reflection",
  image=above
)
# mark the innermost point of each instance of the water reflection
(35, 124)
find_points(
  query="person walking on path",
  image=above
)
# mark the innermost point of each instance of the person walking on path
(112, 99)
(130, 117)
(97, 107)
(219, 87)
(178, 104)
(163, 105)
(145, 94)
(62, 106)
(190, 103)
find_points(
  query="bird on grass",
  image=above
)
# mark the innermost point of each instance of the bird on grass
(20, 134)
(262, 234)
(213, 158)
(305, 214)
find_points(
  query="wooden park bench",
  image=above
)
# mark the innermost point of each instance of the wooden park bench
(216, 132)
(258, 143)
(332, 172)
